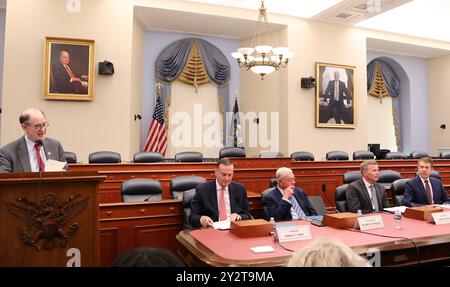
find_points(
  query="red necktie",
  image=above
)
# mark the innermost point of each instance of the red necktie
(429, 193)
(69, 71)
(222, 206)
(39, 159)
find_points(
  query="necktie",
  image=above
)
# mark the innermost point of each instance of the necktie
(222, 206)
(336, 91)
(69, 71)
(373, 194)
(429, 193)
(38, 157)
(298, 210)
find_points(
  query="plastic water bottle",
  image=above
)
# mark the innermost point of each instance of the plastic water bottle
(359, 213)
(398, 219)
(274, 225)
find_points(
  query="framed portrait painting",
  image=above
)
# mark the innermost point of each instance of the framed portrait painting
(68, 69)
(335, 96)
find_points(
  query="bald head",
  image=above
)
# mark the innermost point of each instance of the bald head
(30, 113)
(34, 124)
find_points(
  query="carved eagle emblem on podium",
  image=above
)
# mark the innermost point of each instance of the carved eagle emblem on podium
(49, 222)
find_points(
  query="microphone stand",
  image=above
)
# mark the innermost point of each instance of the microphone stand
(324, 190)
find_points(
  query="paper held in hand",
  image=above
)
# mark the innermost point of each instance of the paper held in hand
(54, 165)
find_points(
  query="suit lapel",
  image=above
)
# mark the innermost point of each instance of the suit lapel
(22, 153)
(364, 191)
(423, 191)
(213, 197)
(49, 153)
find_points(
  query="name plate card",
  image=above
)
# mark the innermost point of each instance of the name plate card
(369, 222)
(441, 217)
(292, 232)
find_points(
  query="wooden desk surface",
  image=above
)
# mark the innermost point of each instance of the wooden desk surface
(208, 247)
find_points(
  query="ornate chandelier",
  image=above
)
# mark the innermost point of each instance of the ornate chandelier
(262, 59)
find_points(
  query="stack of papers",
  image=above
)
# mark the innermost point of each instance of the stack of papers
(222, 225)
(54, 165)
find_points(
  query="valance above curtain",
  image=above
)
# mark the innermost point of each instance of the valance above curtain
(391, 80)
(174, 58)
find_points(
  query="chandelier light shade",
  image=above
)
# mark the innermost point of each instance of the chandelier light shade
(261, 58)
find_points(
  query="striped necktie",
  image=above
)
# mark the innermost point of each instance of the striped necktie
(429, 192)
(298, 210)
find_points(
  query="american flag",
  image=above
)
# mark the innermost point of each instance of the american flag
(157, 137)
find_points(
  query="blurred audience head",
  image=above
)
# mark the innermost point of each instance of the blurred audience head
(147, 257)
(326, 253)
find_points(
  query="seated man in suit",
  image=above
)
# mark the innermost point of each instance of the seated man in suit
(219, 199)
(285, 201)
(30, 152)
(366, 194)
(418, 190)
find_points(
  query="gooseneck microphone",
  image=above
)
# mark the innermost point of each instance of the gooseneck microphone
(324, 190)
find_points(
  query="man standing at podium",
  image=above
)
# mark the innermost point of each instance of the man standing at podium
(219, 199)
(30, 152)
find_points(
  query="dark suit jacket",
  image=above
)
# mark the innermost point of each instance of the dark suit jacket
(60, 81)
(280, 209)
(329, 92)
(205, 202)
(415, 193)
(14, 156)
(358, 197)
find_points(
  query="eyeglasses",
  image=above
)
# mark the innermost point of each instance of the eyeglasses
(292, 179)
(42, 126)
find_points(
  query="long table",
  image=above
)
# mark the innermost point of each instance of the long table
(209, 247)
(128, 225)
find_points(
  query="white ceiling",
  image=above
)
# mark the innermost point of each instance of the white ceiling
(153, 19)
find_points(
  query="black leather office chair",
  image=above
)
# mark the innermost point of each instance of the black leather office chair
(317, 203)
(302, 156)
(363, 155)
(71, 157)
(266, 210)
(141, 189)
(398, 189)
(189, 156)
(435, 174)
(387, 177)
(396, 155)
(188, 195)
(351, 176)
(419, 154)
(271, 154)
(273, 182)
(232, 152)
(444, 154)
(104, 157)
(340, 198)
(180, 184)
(337, 155)
(143, 157)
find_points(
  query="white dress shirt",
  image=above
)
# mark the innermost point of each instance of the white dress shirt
(32, 154)
(227, 198)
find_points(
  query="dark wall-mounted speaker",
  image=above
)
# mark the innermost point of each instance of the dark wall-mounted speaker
(105, 68)
(308, 83)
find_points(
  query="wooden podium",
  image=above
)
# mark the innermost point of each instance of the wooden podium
(50, 220)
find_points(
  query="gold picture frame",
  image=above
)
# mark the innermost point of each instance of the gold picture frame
(68, 69)
(335, 111)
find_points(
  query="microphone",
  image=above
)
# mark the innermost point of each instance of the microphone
(324, 190)
(238, 201)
